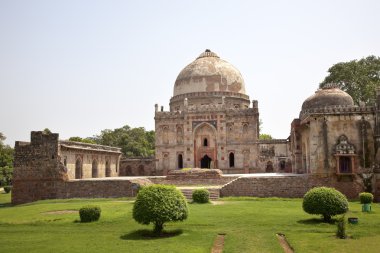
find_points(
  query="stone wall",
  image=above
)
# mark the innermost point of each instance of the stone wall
(289, 186)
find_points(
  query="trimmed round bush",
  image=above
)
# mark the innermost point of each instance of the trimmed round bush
(7, 189)
(158, 204)
(366, 197)
(89, 213)
(325, 201)
(201, 196)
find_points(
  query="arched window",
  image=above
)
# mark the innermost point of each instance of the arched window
(94, 168)
(205, 142)
(78, 169)
(232, 160)
(180, 161)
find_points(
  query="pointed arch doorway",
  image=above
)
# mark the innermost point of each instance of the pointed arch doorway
(206, 162)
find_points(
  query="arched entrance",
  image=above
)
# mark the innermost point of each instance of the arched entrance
(206, 162)
(108, 169)
(205, 146)
(232, 160)
(94, 168)
(78, 169)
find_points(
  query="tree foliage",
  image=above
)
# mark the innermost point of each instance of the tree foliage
(134, 142)
(6, 162)
(359, 78)
(159, 204)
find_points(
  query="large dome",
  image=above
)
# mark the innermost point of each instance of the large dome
(209, 73)
(328, 96)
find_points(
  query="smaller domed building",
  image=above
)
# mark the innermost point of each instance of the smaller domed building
(332, 135)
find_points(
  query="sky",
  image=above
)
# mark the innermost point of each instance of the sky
(79, 67)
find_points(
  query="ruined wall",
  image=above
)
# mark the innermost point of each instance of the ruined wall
(38, 171)
(138, 167)
(289, 186)
(274, 156)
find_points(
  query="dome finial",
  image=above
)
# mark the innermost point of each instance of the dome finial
(207, 50)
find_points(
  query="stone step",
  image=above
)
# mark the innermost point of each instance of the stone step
(188, 193)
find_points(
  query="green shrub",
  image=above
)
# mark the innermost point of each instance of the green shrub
(341, 228)
(325, 201)
(7, 188)
(366, 198)
(89, 213)
(158, 204)
(201, 196)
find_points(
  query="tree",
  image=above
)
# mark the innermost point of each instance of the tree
(358, 78)
(159, 204)
(325, 201)
(265, 137)
(6, 161)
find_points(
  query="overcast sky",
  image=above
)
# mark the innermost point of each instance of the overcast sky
(78, 67)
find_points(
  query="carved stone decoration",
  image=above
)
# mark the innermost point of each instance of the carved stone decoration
(343, 146)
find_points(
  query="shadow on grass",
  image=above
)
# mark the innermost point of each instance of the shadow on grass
(314, 221)
(145, 234)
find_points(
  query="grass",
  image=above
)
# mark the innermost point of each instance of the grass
(250, 225)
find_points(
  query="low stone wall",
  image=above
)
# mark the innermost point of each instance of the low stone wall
(194, 176)
(288, 186)
(106, 188)
(221, 181)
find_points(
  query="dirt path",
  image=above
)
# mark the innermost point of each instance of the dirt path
(284, 243)
(218, 244)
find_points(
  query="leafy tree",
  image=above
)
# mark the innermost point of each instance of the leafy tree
(358, 78)
(6, 162)
(84, 140)
(265, 137)
(132, 141)
(159, 204)
(46, 131)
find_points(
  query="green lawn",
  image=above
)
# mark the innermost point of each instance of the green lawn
(250, 225)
